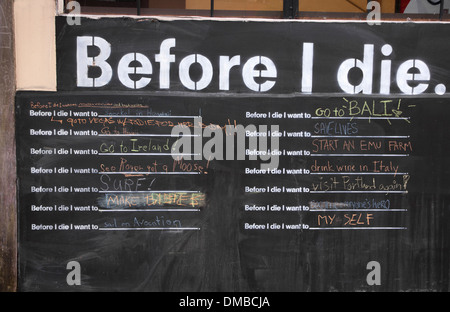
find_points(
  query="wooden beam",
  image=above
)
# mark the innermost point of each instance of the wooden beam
(8, 214)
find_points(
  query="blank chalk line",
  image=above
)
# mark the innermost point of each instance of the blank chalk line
(361, 155)
(107, 192)
(149, 210)
(150, 229)
(147, 135)
(350, 209)
(358, 228)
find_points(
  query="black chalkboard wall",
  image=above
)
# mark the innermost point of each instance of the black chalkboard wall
(341, 182)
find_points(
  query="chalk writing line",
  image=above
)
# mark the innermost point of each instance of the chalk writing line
(146, 135)
(363, 136)
(147, 154)
(359, 173)
(362, 118)
(359, 192)
(147, 172)
(145, 116)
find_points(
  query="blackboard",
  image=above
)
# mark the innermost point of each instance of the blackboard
(283, 180)
(226, 225)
